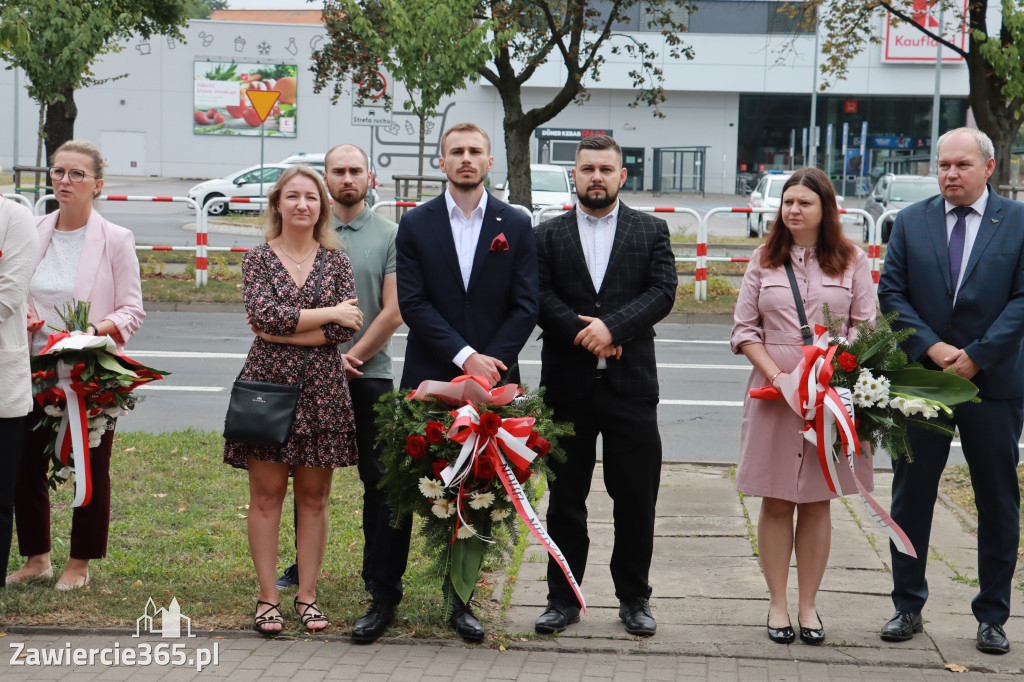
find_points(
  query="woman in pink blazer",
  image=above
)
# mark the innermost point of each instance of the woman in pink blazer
(83, 257)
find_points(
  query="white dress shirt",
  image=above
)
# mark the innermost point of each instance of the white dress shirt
(466, 233)
(596, 236)
(972, 221)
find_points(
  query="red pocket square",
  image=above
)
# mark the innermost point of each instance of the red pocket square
(499, 243)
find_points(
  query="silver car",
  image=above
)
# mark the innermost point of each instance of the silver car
(897, 192)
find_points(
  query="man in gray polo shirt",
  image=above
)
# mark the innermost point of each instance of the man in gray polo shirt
(369, 241)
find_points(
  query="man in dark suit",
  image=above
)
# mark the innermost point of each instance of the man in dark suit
(467, 289)
(607, 275)
(954, 272)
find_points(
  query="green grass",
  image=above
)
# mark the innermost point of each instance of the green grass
(721, 298)
(182, 289)
(178, 529)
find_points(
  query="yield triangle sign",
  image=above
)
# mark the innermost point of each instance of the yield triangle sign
(262, 101)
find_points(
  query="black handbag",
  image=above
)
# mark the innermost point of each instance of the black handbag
(261, 412)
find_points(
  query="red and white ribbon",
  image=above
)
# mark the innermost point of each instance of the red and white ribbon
(824, 410)
(72, 443)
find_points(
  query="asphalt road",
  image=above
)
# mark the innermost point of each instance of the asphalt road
(702, 382)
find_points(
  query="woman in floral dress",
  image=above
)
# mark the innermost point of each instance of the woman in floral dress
(279, 283)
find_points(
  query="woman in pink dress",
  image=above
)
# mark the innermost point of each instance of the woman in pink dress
(776, 462)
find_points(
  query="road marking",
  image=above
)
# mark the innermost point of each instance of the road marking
(197, 355)
(721, 343)
(183, 354)
(166, 387)
(704, 403)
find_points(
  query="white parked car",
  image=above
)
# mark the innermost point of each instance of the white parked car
(549, 186)
(768, 194)
(253, 181)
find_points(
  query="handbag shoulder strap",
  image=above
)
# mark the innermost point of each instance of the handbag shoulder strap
(316, 304)
(805, 329)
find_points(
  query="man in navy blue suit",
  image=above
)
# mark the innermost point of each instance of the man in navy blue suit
(467, 289)
(954, 272)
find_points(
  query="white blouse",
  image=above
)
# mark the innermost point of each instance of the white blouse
(53, 283)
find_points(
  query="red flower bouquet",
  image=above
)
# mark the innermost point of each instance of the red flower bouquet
(465, 459)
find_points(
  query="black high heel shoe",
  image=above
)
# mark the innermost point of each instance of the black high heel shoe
(812, 636)
(781, 635)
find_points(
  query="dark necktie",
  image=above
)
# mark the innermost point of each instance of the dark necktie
(956, 242)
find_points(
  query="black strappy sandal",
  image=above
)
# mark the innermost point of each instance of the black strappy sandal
(306, 617)
(259, 624)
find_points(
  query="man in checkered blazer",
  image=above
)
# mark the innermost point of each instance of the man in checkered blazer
(607, 275)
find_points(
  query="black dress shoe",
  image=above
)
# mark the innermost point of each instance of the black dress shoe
(289, 578)
(781, 635)
(636, 614)
(374, 622)
(813, 635)
(902, 626)
(465, 623)
(556, 617)
(992, 639)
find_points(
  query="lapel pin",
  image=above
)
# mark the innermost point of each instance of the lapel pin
(498, 219)
(994, 220)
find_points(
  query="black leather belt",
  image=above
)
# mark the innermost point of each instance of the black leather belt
(601, 374)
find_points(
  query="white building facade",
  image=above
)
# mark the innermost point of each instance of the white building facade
(737, 107)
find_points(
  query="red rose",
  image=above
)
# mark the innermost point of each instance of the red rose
(542, 447)
(532, 440)
(435, 432)
(490, 423)
(415, 446)
(847, 362)
(438, 465)
(483, 468)
(522, 475)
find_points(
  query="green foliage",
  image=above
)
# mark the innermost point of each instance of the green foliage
(1005, 52)
(409, 477)
(432, 48)
(876, 350)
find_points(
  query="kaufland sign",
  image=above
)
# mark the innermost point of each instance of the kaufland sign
(906, 44)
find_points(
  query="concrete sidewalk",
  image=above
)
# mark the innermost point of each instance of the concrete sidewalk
(709, 599)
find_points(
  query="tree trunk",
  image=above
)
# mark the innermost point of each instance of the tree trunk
(517, 147)
(423, 138)
(60, 121)
(993, 113)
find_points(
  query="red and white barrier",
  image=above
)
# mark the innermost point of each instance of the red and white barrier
(17, 197)
(38, 209)
(203, 235)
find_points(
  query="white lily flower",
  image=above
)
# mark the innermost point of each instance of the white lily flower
(481, 500)
(431, 488)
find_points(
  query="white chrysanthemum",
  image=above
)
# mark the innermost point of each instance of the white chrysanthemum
(53, 411)
(499, 514)
(481, 500)
(443, 509)
(97, 423)
(113, 411)
(94, 441)
(64, 473)
(465, 531)
(431, 488)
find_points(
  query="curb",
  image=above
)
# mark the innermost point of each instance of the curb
(192, 307)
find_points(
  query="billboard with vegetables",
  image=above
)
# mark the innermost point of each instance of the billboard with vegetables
(221, 107)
